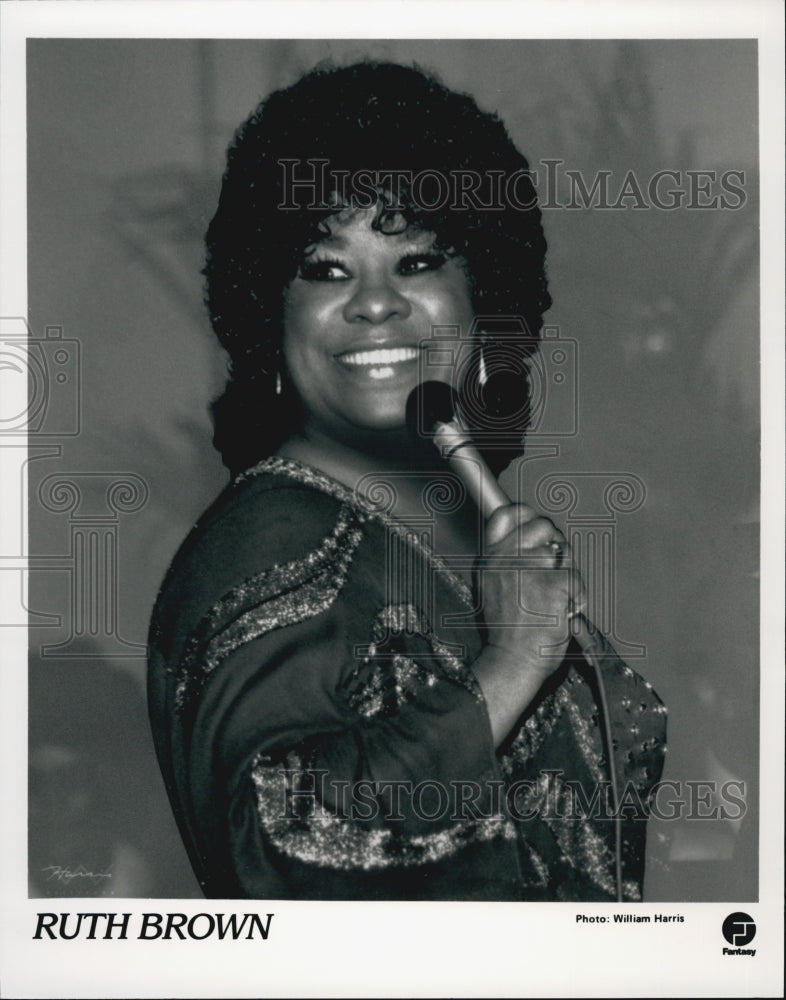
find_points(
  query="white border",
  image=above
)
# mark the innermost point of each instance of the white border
(411, 949)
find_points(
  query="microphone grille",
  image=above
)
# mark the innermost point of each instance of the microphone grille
(428, 404)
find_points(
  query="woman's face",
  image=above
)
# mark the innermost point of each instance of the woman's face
(356, 317)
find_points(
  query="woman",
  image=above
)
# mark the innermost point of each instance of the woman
(342, 708)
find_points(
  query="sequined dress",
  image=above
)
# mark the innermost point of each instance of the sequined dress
(322, 736)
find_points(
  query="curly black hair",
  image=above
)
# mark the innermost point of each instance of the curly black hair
(370, 117)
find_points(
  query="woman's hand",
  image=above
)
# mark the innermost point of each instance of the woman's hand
(528, 589)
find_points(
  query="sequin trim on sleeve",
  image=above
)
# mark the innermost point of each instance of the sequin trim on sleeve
(393, 672)
(581, 845)
(281, 595)
(331, 841)
(551, 800)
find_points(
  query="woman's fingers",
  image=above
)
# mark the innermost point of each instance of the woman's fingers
(519, 527)
(577, 594)
(542, 533)
(528, 562)
(505, 520)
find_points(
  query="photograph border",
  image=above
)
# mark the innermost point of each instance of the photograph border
(344, 949)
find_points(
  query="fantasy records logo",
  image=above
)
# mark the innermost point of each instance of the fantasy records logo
(739, 929)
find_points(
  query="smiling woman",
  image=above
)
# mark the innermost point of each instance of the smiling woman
(356, 316)
(360, 688)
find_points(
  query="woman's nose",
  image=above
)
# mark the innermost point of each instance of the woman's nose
(375, 300)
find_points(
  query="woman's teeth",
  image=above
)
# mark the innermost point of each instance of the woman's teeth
(379, 363)
(380, 356)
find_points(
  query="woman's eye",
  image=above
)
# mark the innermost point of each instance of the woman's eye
(323, 270)
(418, 263)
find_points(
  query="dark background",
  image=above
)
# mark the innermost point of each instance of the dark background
(126, 142)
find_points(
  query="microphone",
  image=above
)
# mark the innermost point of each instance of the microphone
(433, 411)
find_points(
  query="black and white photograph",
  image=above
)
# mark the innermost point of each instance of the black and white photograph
(392, 455)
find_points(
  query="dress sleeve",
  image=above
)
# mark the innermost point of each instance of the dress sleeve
(327, 744)
(567, 817)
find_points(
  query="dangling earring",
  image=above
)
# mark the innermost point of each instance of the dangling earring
(482, 374)
(278, 383)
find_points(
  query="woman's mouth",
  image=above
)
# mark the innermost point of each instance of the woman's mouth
(380, 362)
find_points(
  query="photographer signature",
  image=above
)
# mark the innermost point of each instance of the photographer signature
(65, 874)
